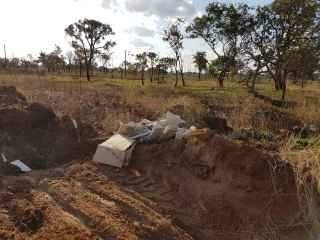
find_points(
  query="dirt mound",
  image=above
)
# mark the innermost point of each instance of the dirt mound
(222, 187)
(9, 97)
(34, 134)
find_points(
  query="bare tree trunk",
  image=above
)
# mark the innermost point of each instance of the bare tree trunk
(88, 68)
(302, 82)
(284, 90)
(142, 77)
(88, 74)
(182, 78)
(199, 74)
(253, 87)
(221, 77)
(181, 72)
(159, 70)
(177, 79)
(80, 69)
(152, 72)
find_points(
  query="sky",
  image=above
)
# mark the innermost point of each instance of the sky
(31, 26)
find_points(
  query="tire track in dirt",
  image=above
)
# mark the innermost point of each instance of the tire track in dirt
(85, 206)
(147, 189)
(110, 213)
(7, 227)
(37, 216)
(72, 212)
(126, 197)
(144, 185)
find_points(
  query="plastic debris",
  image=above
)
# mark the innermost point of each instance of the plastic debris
(148, 131)
(4, 158)
(116, 151)
(23, 167)
(75, 124)
(76, 127)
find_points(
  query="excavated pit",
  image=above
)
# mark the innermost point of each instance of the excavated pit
(32, 133)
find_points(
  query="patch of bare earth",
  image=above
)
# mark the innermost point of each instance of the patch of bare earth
(205, 187)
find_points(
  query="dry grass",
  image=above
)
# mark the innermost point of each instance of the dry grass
(304, 156)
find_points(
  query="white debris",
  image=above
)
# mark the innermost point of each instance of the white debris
(76, 127)
(4, 158)
(116, 151)
(19, 164)
(172, 120)
(75, 124)
(146, 130)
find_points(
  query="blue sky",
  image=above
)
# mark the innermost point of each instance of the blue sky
(31, 26)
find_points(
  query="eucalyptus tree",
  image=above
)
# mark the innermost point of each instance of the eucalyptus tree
(200, 61)
(174, 35)
(164, 65)
(282, 28)
(152, 57)
(142, 63)
(222, 27)
(90, 37)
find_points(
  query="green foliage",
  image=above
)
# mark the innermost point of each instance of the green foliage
(222, 27)
(89, 39)
(200, 61)
(175, 36)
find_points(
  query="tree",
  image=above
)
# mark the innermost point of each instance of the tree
(200, 61)
(53, 61)
(164, 65)
(69, 57)
(282, 28)
(174, 36)
(142, 64)
(105, 60)
(152, 57)
(222, 28)
(89, 37)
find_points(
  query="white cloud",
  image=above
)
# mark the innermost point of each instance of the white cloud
(140, 43)
(162, 8)
(142, 31)
(37, 25)
(108, 3)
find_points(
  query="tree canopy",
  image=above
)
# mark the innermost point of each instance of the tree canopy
(90, 37)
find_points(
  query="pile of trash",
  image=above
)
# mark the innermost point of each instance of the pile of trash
(117, 150)
(170, 127)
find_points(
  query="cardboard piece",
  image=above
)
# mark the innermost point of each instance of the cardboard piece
(116, 151)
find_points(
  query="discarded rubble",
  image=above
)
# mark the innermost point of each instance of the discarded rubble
(117, 150)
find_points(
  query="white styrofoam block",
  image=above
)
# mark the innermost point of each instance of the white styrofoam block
(116, 151)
